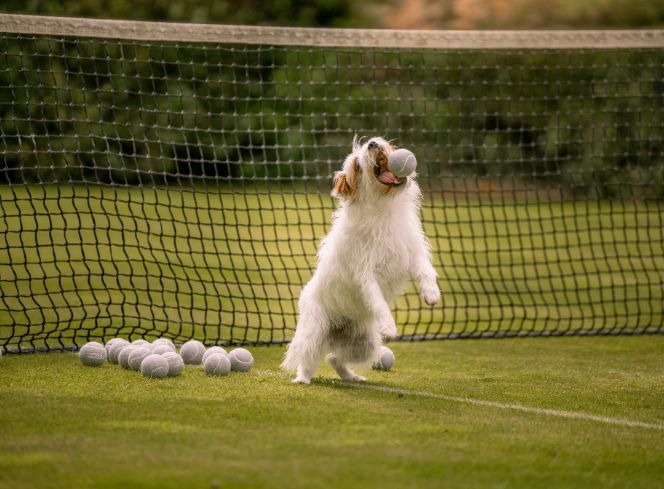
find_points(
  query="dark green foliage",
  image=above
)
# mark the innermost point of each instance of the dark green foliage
(305, 13)
(587, 122)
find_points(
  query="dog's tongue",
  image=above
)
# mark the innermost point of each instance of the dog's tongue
(388, 178)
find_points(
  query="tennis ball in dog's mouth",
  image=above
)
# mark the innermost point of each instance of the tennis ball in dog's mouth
(401, 162)
(384, 359)
(92, 354)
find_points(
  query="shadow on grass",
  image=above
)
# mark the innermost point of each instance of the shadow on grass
(347, 385)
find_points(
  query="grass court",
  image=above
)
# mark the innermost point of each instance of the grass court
(558, 412)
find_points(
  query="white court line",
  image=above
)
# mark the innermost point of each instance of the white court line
(493, 404)
(514, 407)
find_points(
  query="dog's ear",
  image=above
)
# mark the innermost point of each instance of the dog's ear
(342, 188)
(345, 182)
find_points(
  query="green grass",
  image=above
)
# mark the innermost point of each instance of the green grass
(227, 264)
(65, 425)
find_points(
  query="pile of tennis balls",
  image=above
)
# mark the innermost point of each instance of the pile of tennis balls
(161, 359)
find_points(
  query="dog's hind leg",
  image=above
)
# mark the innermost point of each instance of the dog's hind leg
(344, 372)
(303, 356)
(307, 348)
(352, 344)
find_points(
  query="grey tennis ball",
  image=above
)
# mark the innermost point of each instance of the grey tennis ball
(92, 354)
(175, 363)
(384, 359)
(137, 355)
(401, 162)
(123, 356)
(213, 349)
(192, 352)
(241, 360)
(163, 341)
(115, 349)
(112, 342)
(141, 342)
(217, 364)
(154, 366)
(160, 348)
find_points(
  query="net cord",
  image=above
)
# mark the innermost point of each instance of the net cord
(373, 38)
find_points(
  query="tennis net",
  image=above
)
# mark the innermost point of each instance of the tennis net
(173, 179)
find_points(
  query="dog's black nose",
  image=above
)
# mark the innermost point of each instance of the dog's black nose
(373, 144)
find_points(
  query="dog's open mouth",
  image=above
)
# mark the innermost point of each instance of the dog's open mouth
(386, 177)
(383, 174)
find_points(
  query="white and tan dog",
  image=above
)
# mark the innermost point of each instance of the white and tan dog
(375, 246)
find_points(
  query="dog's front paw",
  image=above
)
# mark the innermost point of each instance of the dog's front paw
(388, 328)
(431, 294)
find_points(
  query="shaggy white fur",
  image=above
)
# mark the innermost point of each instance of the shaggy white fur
(375, 245)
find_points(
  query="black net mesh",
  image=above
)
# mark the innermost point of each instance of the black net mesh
(180, 189)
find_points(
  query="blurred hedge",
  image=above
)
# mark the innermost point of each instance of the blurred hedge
(85, 110)
(302, 13)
